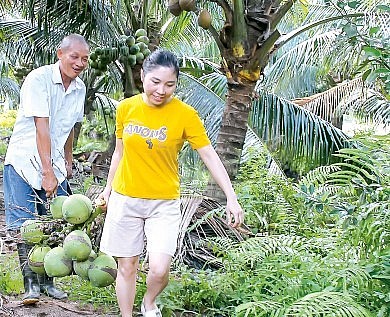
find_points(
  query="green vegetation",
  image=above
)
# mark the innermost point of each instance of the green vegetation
(319, 244)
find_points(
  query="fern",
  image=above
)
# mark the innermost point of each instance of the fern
(355, 277)
(257, 308)
(326, 304)
(255, 249)
(318, 176)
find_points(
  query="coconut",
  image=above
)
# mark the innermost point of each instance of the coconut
(76, 208)
(134, 49)
(174, 7)
(56, 264)
(139, 57)
(140, 32)
(31, 231)
(130, 41)
(143, 39)
(204, 19)
(132, 59)
(56, 207)
(81, 267)
(35, 259)
(77, 245)
(102, 271)
(187, 5)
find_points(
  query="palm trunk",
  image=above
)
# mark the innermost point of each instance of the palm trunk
(232, 133)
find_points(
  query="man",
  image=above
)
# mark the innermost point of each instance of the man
(39, 156)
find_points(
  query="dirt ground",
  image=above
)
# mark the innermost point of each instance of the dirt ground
(11, 306)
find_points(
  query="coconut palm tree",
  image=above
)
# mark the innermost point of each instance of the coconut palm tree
(238, 48)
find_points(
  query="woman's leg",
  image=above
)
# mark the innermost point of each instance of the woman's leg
(125, 284)
(157, 279)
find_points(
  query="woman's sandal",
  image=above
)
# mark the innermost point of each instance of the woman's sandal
(150, 313)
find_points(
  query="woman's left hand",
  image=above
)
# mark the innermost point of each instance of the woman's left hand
(234, 213)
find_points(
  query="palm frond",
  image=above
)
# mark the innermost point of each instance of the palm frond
(292, 73)
(9, 89)
(183, 36)
(326, 105)
(297, 135)
(326, 304)
(318, 175)
(217, 82)
(374, 108)
(208, 104)
(254, 250)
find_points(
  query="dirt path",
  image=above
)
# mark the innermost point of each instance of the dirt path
(12, 307)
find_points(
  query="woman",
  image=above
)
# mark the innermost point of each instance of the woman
(142, 188)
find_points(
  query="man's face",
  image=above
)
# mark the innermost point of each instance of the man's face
(73, 60)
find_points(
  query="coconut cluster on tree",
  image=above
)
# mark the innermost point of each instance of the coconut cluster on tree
(176, 7)
(62, 245)
(129, 49)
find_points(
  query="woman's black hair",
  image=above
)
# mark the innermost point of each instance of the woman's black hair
(163, 58)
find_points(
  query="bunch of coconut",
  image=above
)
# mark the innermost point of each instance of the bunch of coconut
(176, 7)
(130, 49)
(76, 254)
(67, 213)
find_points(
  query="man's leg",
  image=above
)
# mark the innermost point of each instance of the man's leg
(46, 283)
(19, 206)
(125, 284)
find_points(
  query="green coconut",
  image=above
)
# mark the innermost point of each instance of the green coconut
(76, 208)
(35, 259)
(56, 263)
(31, 231)
(77, 245)
(102, 271)
(56, 206)
(81, 267)
(140, 32)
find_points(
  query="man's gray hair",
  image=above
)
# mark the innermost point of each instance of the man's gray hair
(67, 41)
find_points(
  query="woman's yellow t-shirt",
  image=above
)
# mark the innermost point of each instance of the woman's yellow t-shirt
(152, 138)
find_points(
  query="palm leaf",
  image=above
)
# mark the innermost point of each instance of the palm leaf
(208, 104)
(326, 105)
(326, 304)
(297, 135)
(374, 108)
(292, 73)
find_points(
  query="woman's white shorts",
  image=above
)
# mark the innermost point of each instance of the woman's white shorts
(129, 220)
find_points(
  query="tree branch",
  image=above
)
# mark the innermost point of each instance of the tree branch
(289, 36)
(262, 52)
(280, 13)
(217, 40)
(227, 9)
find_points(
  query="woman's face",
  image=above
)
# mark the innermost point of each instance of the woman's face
(159, 84)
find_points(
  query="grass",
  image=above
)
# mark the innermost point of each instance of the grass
(83, 292)
(11, 282)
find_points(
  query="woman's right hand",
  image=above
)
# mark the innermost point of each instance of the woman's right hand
(103, 198)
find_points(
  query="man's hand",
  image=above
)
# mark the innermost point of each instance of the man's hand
(69, 170)
(50, 184)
